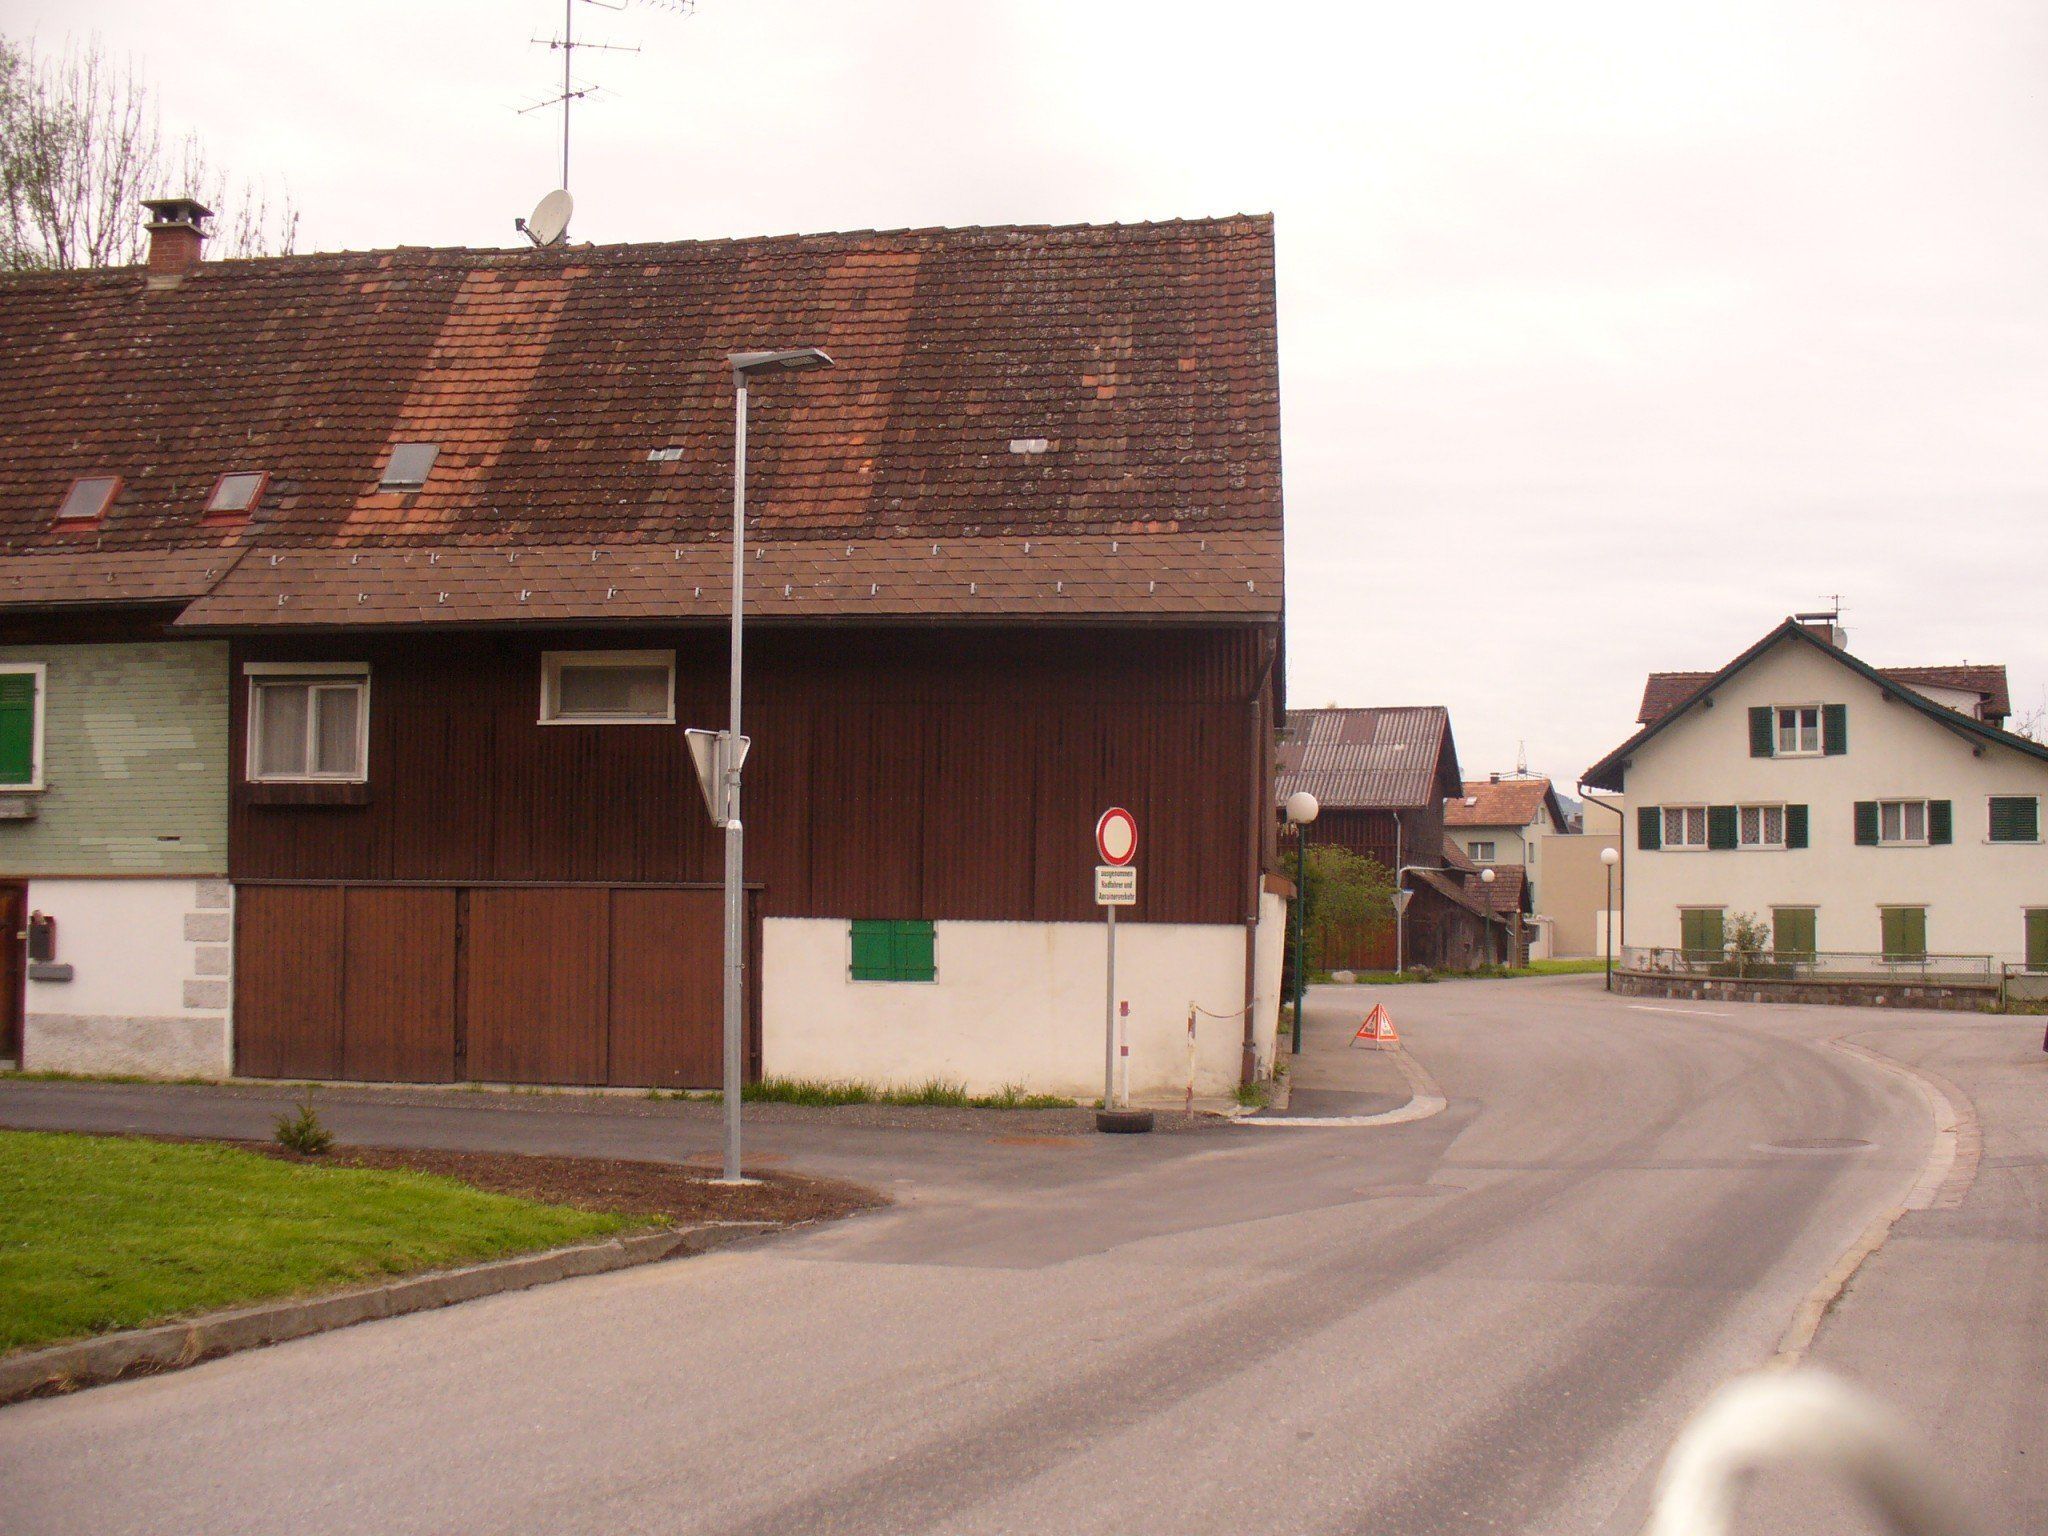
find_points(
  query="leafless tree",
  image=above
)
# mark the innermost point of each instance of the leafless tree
(2034, 723)
(82, 143)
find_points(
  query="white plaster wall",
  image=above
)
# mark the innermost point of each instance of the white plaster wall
(1975, 891)
(1014, 1003)
(1272, 956)
(151, 978)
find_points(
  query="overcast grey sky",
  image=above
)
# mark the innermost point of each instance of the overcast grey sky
(1611, 332)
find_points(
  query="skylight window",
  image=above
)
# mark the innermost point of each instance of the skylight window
(88, 499)
(236, 493)
(408, 466)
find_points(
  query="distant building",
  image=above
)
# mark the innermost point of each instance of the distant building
(1879, 812)
(1381, 777)
(1505, 822)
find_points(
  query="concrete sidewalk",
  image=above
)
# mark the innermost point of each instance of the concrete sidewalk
(1332, 1076)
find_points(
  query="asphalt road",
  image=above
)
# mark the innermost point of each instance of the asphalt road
(1491, 1320)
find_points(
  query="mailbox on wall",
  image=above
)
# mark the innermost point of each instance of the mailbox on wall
(42, 937)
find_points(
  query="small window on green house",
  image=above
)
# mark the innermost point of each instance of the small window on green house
(2015, 819)
(1904, 932)
(21, 721)
(894, 949)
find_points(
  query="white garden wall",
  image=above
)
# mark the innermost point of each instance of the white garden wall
(1016, 1003)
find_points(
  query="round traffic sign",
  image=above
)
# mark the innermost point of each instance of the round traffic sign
(1116, 836)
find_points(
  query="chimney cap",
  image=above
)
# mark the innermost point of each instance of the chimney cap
(185, 212)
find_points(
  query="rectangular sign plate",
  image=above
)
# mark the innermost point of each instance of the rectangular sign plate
(1116, 885)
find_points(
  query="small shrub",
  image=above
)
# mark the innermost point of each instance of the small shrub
(303, 1133)
(1421, 973)
(1253, 1095)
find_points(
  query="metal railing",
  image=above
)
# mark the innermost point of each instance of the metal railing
(1800, 1419)
(2022, 984)
(1810, 965)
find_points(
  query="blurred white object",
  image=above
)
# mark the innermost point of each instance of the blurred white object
(1801, 1418)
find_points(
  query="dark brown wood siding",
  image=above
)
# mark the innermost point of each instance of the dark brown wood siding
(398, 984)
(288, 982)
(895, 773)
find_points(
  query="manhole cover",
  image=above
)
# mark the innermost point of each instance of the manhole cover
(1819, 1144)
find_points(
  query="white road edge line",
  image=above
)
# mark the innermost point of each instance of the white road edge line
(1698, 1013)
(1425, 1099)
(1954, 1127)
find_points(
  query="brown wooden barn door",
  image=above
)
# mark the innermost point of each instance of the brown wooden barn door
(667, 955)
(398, 1014)
(13, 967)
(289, 944)
(535, 979)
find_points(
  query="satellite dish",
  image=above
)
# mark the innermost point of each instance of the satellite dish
(550, 221)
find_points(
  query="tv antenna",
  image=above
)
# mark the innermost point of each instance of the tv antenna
(568, 43)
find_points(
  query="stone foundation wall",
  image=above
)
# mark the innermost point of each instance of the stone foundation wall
(1960, 997)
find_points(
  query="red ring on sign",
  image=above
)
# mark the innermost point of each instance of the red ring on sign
(1116, 836)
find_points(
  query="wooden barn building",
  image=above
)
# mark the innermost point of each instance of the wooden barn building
(1380, 777)
(389, 581)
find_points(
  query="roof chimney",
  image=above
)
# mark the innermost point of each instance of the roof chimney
(177, 226)
(1493, 778)
(1825, 627)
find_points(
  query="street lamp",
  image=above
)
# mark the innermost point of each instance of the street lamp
(1302, 808)
(1610, 857)
(732, 746)
(1401, 897)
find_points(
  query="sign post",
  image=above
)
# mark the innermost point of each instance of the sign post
(1116, 885)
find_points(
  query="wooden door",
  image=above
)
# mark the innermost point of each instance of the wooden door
(289, 944)
(2037, 939)
(398, 1011)
(535, 964)
(13, 967)
(667, 963)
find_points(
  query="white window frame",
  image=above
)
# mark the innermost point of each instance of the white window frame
(1760, 808)
(1902, 841)
(552, 662)
(1682, 847)
(1491, 845)
(1778, 747)
(40, 672)
(330, 673)
(1995, 842)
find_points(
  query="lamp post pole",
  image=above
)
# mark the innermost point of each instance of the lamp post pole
(1609, 858)
(731, 754)
(1301, 808)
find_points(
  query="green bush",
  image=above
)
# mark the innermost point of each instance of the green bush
(303, 1133)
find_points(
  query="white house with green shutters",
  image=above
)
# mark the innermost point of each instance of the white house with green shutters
(1853, 810)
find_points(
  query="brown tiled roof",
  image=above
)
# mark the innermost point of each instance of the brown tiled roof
(1368, 759)
(84, 577)
(1504, 895)
(1498, 803)
(1665, 691)
(1180, 576)
(1453, 887)
(1143, 356)
(1456, 858)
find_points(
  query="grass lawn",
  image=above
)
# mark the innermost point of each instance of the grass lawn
(105, 1232)
(1580, 967)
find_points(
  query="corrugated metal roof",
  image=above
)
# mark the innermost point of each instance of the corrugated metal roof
(1368, 759)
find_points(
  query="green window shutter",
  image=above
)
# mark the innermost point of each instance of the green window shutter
(2015, 819)
(2037, 939)
(1941, 821)
(1905, 933)
(1866, 823)
(1834, 729)
(1650, 827)
(1796, 832)
(1701, 933)
(914, 945)
(1763, 730)
(1721, 824)
(873, 958)
(17, 728)
(1792, 931)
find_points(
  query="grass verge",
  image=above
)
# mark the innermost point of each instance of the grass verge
(103, 1232)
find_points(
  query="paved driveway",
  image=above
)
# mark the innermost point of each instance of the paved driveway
(1492, 1319)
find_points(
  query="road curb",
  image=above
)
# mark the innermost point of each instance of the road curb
(1944, 1179)
(172, 1346)
(1424, 1099)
